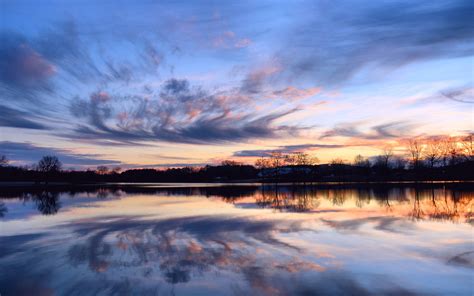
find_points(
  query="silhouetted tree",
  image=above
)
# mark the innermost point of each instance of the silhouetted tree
(399, 163)
(102, 170)
(230, 163)
(305, 159)
(49, 164)
(361, 161)
(432, 152)
(290, 159)
(450, 150)
(276, 161)
(116, 170)
(337, 161)
(415, 148)
(467, 144)
(262, 163)
(300, 158)
(387, 154)
(3, 209)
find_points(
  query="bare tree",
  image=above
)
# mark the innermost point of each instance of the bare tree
(400, 163)
(301, 158)
(277, 159)
(337, 161)
(262, 163)
(3, 160)
(305, 159)
(432, 152)
(444, 147)
(102, 170)
(386, 155)
(290, 159)
(116, 170)
(467, 144)
(359, 160)
(415, 148)
(49, 164)
(230, 163)
(450, 150)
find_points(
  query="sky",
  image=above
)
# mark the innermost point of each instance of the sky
(176, 83)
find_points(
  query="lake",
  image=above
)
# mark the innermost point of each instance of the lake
(224, 239)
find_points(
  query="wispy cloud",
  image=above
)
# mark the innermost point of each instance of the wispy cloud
(285, 149)
(332, 45)
(117, 79)
(10, 117)
(391, 130)
(178, 113)
(26, 153)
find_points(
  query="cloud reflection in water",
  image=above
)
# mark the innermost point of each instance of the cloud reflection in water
(290, 241)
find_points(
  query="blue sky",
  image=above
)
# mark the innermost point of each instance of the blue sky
(150, 83)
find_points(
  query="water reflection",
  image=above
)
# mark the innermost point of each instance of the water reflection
(236, 240)
(443, 202)
(3, 209)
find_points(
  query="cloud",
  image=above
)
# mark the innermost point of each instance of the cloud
(463, 94)
(65, 56)
(244, 42)
(228, 39)
(10, 117)
(21, 66)
(285, 149)
(332, 45)
(455, 94)
(179, 113)
(27, 152)
(256, 79)
(293, 93)
(391, 130)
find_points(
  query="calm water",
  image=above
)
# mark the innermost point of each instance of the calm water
(237, 240)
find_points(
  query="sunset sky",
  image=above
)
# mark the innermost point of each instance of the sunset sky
(174, 83)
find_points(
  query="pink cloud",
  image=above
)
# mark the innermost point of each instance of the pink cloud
(228, 39)
(29, 66)
(100, 97)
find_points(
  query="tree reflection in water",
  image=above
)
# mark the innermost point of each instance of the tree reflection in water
(3, 209)
(265, 253)
(47, 202)
(434, 203)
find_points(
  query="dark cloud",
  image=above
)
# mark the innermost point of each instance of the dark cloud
(176, 86)
(179, 113)
(285, 149)
(21, 66)
(332, 42)
(391, 130)
(72, 56)
(10, 117)
(31, 153)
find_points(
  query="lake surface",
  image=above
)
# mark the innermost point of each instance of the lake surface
(211, 239)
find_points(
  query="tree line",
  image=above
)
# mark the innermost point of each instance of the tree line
(431, 158)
